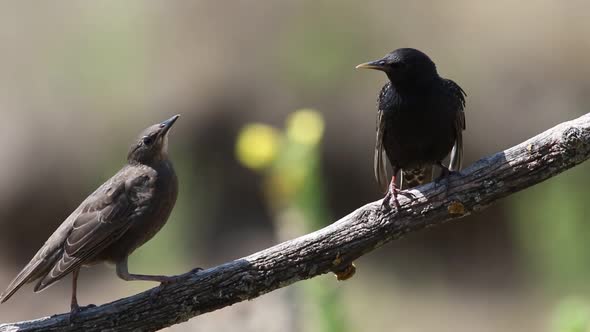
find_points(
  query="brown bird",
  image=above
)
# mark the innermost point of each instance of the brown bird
(120, 216)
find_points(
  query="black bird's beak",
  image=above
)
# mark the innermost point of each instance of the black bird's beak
(166, 125)
(377, 64)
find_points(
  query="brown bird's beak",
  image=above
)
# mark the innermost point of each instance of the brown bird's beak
(377, 64)
(166, 125)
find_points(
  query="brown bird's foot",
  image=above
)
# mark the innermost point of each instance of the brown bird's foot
(167, 280)
(124, 274)
(172, 279)
(75, 310)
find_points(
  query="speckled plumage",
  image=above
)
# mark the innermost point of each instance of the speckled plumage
(118, 217)
(420, 118)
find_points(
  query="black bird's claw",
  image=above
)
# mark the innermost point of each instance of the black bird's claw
(446, 173)
(391, 198)
(444, 176)
(385, 203)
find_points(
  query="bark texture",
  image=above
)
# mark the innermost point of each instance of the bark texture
(334, 247)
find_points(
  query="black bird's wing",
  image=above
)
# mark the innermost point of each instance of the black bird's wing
(458, 97)
(456, 100)
(101, 219)
(380, 158)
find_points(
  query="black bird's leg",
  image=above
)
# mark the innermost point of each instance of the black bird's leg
(393, 191)
(444, 174)
(445, 171)
(123, 273)
(391, 195)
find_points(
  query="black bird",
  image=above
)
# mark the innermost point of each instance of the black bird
(420, 120)
(117, 218)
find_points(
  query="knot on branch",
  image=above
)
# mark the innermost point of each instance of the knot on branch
(574, 140)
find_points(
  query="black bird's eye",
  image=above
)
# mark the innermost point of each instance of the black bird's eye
(148, 140)
(398, 64)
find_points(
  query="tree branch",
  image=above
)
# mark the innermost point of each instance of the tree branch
(337, 245)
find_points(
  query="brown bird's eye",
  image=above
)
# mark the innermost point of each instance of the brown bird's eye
(148, 140)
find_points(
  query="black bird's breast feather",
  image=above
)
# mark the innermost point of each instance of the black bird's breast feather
(419, 127)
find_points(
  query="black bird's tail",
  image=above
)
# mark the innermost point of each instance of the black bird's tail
(416, 176)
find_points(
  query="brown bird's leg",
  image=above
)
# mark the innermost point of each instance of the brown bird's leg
(123, 273)
(74, 307)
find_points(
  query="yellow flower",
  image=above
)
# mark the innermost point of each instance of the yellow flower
(305, 126)
(257, 145)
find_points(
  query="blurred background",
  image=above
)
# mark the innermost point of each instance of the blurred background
(276, 140)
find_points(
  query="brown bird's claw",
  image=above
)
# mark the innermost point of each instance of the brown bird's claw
(173, 279)
(169, 280)
(76, 309)
(195, 270)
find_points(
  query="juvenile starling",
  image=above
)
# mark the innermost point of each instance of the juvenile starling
(117, 218)
(420, 120)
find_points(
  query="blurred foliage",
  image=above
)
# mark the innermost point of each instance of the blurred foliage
(572, 315)
(108, 57)
(318, 53)
(290, 162)
(552, 227)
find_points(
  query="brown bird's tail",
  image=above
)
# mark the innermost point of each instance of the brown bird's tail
(416, 176)
(28, 274)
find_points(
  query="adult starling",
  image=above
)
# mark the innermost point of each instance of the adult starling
(420, 120)
(117, 218)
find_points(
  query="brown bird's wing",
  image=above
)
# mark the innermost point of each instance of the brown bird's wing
(458, 96)
(102, 218)
(380, 158)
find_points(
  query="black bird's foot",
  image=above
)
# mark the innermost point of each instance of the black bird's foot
(444, 171)
(390, 198)
(444, 177)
